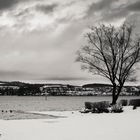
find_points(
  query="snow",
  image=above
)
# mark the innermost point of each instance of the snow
(75, 126)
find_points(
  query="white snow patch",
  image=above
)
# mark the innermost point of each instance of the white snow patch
(75, 126)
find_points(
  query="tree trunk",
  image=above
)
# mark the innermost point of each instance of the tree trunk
(119, 91)
(114, 99)
(114, 95)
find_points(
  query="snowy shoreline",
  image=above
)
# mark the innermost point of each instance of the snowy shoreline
(72, 125)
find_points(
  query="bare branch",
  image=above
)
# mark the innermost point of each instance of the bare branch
(112, 53)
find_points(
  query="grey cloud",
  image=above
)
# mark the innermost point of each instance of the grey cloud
(101, 5)
(117, 13)
(134, 7)
(4, 73)
(108, 12)
(22, 13)
(16, 75)
(121, 11)
(46, 8)
(6, 4)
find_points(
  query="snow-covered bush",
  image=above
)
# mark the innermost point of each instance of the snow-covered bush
(97, 107)
(117, 108)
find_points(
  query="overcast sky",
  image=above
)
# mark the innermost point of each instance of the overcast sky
(39, 38)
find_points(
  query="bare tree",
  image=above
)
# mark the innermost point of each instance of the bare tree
(112, 53)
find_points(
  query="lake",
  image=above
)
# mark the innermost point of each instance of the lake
(53, 103)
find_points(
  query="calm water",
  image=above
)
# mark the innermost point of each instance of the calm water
(53, 103)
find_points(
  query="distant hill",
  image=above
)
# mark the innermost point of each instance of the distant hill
(20, 84)
(13, 83)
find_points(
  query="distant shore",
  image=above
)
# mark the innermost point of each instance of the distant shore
(94, 89)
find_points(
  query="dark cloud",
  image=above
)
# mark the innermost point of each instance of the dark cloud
(6, 4)
(22, 13)
(108, 12)
(99, 6)
(115, 14)
(121, 11)
(46, 8)
(134, 7)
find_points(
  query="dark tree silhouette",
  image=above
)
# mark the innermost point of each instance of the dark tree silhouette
(112, 53)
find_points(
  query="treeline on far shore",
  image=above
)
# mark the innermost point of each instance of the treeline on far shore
(19, 88)
(26, 89)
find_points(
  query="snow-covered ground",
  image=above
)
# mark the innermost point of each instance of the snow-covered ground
(75, 126)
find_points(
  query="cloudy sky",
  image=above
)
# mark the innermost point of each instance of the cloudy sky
(39, 38)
